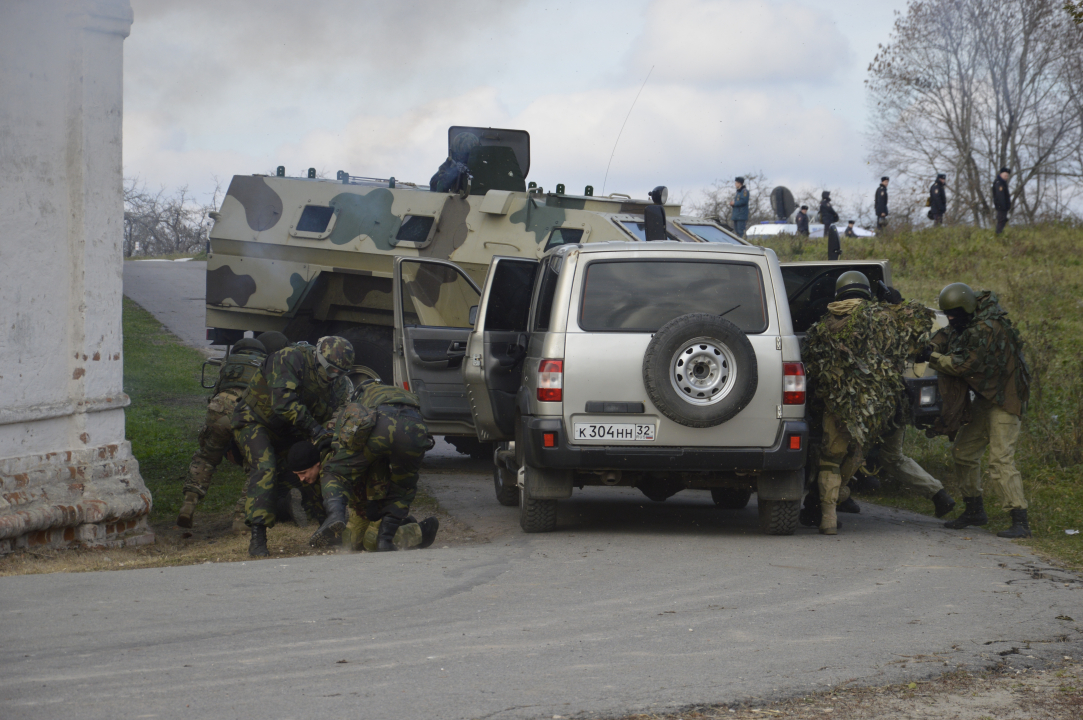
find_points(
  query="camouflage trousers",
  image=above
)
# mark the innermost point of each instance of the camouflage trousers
(363, 534)
(269, 478)
(387, 467)
(214, 439)
(904, 469)
(998, 430)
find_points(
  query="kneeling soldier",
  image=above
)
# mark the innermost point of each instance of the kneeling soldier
(382, 425)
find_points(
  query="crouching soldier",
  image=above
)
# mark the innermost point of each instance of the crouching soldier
(215, 437)
(982, 349)
(293, 397)
(855, 356)
(382, 423)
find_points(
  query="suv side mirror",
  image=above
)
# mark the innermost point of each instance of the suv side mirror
(473, 314)
(654, 217)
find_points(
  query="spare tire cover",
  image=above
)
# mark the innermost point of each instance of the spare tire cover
(700, 370)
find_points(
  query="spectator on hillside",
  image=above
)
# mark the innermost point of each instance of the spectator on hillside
(802, 221)
(938, 200)
(1002, 198)
(849, 230)
(881, 205)
(739, 203)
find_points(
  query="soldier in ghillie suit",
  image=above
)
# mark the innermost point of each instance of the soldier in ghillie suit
(855, 357)
(308, 464)
(982, 352)
(293, 397)
(216, 435)
(381, 423)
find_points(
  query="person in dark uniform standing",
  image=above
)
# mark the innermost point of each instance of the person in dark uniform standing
(849, 232)
(881, 205)
(938, 200)
(802, 221)
(739, 203)
(1002, 198)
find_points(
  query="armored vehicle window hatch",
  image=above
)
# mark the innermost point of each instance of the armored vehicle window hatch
(709, 233)
(314, 222)
(564, 236)
(415, 231)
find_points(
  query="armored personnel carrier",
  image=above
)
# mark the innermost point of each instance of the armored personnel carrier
(312, 257)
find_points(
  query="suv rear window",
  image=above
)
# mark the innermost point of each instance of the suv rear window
(643, 295)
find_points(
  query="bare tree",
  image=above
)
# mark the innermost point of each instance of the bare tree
(156, 223)
(968, 86)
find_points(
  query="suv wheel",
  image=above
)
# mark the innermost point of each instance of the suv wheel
(507, 491)
(730, 498)
(700, 370)
(535, 516)
(778, 517)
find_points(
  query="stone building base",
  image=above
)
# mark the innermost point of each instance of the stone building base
(74, 499)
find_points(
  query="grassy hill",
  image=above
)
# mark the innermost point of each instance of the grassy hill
(1038, 274)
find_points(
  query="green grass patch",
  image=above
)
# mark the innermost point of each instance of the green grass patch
(1037, 271)
(161, 375)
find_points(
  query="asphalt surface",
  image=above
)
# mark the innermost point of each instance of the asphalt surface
(628, 606)
(174, 292)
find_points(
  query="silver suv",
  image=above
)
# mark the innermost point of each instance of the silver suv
(663, 366)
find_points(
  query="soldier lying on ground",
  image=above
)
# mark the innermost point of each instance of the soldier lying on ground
(381, 422)
(306, 461)
(293, 397)
(982, 352)
(854, 357)
(216, 435)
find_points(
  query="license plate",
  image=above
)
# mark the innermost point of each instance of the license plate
(622, 432)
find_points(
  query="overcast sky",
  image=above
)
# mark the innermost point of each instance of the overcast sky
(225, 87)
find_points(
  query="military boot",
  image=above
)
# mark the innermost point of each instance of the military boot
(810, 514)
(848, 506)
(429, 526)
(330, 532)
(942, 503)
(1020, 527)
(385, 541)
(830, 481)
(257, 546)
(188, 510)
(973, 515)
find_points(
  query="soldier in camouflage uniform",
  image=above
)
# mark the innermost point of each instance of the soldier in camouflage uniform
(293, 397)
(981, 348)
(382, 423)
(216, 435)
(855, 357)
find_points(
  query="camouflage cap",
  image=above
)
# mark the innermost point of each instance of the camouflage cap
(853, 281)
(273, 341)
(334, 353)
(248, 345)
(958, 296)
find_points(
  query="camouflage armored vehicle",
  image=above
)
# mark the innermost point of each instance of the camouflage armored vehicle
(312, 257)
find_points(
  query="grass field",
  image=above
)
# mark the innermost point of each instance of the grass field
(1038, 274)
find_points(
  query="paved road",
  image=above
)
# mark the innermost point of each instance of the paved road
(628, 606)
(175, 292)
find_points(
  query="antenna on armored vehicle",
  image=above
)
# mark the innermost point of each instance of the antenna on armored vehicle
(782, 203)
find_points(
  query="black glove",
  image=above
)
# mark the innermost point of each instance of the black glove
(888, 294)
(323, 444)
(925, 355)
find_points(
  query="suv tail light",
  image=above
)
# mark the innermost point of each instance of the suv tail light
(551, 381)
(793, 384)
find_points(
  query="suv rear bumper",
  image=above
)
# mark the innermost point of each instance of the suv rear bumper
(563, 456)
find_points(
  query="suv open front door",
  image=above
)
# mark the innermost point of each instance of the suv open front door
(495, 352)
(434, 303)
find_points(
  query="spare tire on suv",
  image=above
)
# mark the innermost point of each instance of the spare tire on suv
(700, 370)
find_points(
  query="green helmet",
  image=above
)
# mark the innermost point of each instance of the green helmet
(853, 281)
(335, 354)
(248, 346)
(273, 341)
(958, 296)
(463, 143)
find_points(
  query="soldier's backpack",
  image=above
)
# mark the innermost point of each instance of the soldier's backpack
(239, 367)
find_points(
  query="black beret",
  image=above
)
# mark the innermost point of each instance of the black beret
(303, 455)
(739, 179)
(1006, 169)
(884, 178)
(804, 207)
(941, 176)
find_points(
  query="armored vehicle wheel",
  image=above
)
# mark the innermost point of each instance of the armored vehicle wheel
(730, 499)
(507, 491)
(535, 516)
(700, 370)
(778, 517)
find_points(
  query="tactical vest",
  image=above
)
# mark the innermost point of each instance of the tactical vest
(237, 370)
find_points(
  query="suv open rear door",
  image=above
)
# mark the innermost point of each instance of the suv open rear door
(810, 286)
(497, 347)
(434, 305)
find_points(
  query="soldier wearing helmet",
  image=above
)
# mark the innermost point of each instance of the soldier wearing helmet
(216, 436)
(292, 397)
(982, 350)
(450, 174)
(854, 357)
(380, 440)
